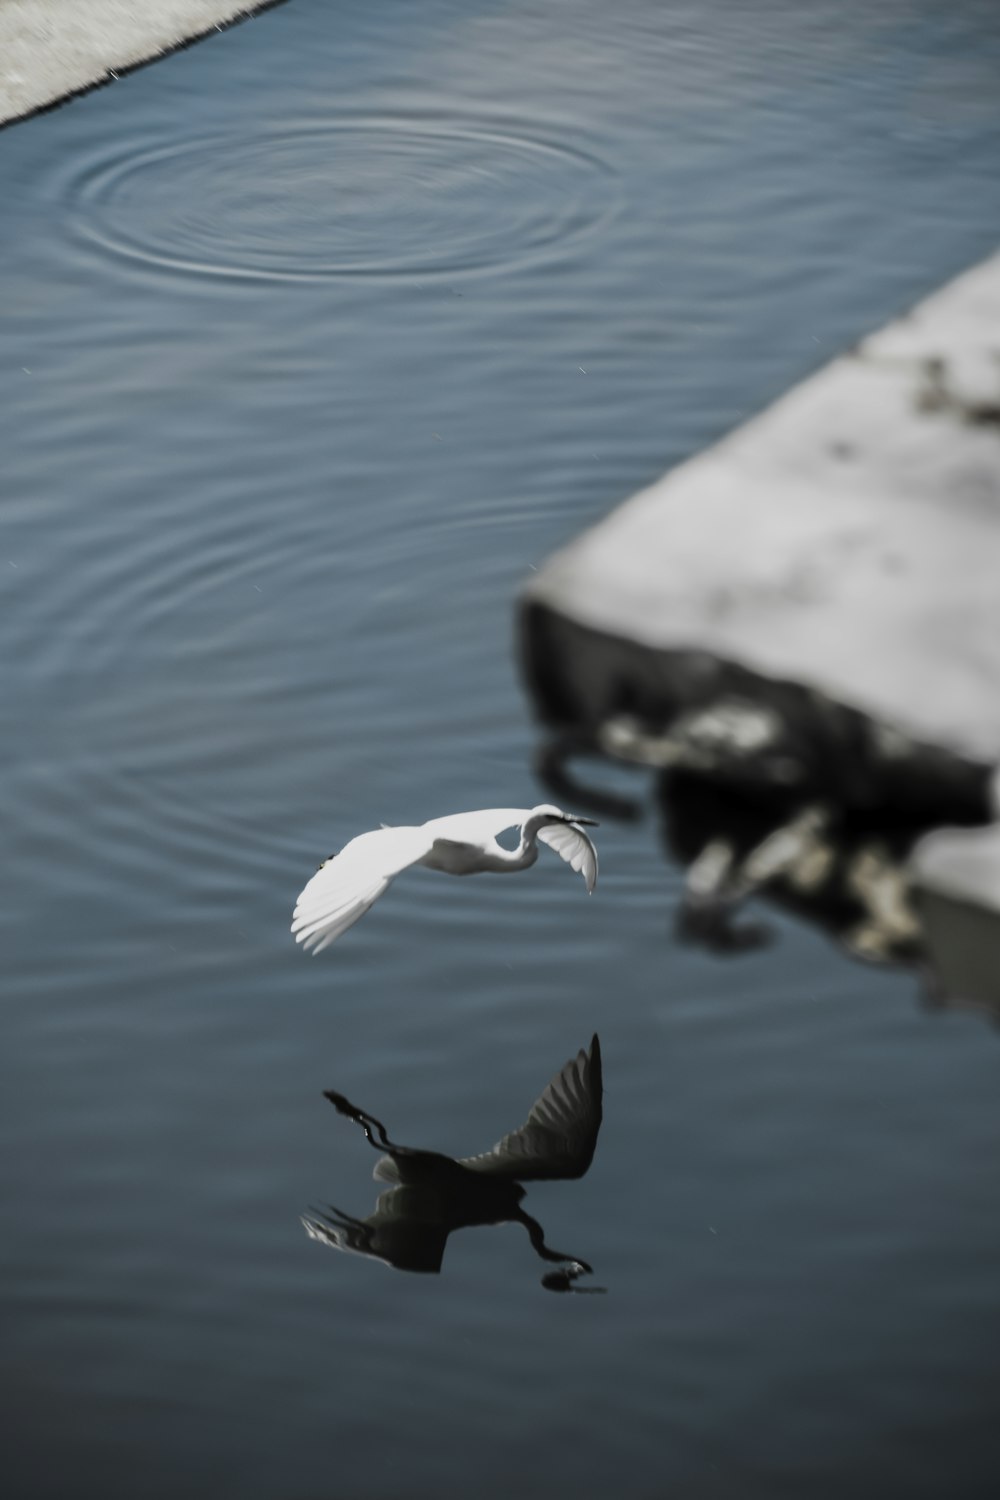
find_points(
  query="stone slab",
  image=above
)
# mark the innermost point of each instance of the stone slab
(846, 540)
(50, 49)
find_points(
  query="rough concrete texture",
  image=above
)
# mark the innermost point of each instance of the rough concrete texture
(53, 48)
(847, 539)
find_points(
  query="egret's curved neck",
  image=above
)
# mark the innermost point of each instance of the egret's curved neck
(530, 827)
(526, 852)
(520, 858)
(500, 859)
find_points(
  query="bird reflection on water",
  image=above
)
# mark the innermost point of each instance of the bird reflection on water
(432, 1195)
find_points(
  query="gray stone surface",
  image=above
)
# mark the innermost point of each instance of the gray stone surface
(52, 48)
(808, 616)
(846, 540)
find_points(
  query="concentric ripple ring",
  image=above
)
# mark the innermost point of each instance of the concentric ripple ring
(379, 196)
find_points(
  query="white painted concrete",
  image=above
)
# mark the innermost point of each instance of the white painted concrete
(51, 48)
(847, 538)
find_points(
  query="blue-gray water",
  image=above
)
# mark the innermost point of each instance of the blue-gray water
(316, 337)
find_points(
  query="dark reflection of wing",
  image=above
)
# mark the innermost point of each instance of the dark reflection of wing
(408, 1229)
(559, 1136)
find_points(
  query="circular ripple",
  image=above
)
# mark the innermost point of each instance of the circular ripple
(352, 197)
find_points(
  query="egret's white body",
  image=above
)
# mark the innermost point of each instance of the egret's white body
(350, 882)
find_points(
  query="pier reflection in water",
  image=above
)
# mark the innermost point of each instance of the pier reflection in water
(750, 811)
(432, 1195)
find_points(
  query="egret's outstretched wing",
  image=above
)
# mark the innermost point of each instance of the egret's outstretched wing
(559, 1136)
(345, 886)
(572, 844)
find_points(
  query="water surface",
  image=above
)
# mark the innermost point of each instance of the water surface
(317, 337)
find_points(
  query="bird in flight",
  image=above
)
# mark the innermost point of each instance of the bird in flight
(348, 883)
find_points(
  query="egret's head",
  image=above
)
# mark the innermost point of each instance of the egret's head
(546, 813)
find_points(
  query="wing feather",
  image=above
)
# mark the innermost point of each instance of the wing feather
(572, 844)
(559, 1136)
(347, 885)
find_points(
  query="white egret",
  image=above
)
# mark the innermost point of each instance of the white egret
(348, 883)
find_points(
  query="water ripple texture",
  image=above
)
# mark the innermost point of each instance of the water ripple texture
(375, 196)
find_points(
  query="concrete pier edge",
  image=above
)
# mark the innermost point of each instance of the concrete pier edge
(43, 66)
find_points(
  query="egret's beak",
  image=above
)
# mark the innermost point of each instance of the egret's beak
(587, 822)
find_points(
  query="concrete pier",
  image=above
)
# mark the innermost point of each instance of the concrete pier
(51, 49)
(848, 538)
(811, 609)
